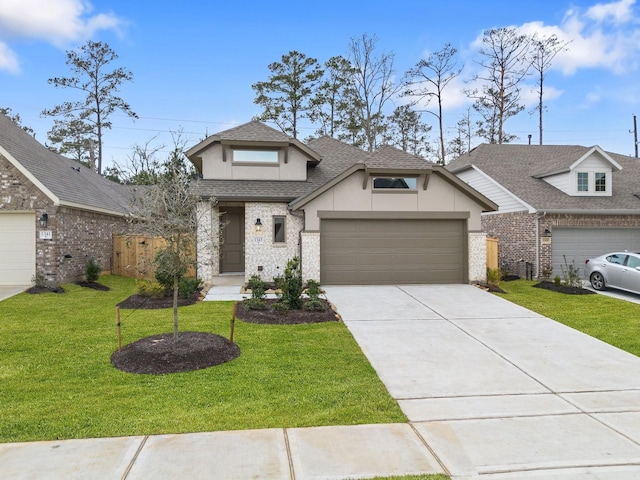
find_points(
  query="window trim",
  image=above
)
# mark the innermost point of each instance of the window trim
(591, 182)
(391, 189)
(274, 219)
(255, 162)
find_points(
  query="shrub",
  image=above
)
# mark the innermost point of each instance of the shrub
(547, 271)
(188, 286)
(282, 306)
(291, 285)
(557, 280)
(494, 275)
(39, 280)
(167, 265)
(92, 270)
(257, 287)
(571, 274)
(314, 303)
(149, 288)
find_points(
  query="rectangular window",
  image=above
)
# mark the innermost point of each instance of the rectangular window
(601, 182)
(583, 181)
(392, 182)
(279, 229)
(255, 156)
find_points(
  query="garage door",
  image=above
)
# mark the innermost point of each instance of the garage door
(17, 248)
(581, 243)
(375, 252)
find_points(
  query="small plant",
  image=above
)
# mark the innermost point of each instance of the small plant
(494, 275)
(314, 303)
(571, 274)
(188, 286)
(291, 285)
(92, 270)
(149, 288)
(39, 280)
(557, 280)
(257, 287)
(547, 271)
(281, 306)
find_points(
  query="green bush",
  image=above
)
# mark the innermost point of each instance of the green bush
(149, 288)
(571, 274)
(39, 280)
(188, 286)
(494, 275)
(257, 287)
(557, 280)
(291, 285)
(314, 303)
(282, 306)
(92, 270)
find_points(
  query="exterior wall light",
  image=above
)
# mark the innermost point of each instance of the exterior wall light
(547, 232)
(44, 218)
(258, 225)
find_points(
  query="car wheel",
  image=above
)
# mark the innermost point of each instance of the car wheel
(597, 281)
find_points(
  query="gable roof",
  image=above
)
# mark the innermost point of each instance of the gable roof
(64, 181)
(253, 133)
(520, 168)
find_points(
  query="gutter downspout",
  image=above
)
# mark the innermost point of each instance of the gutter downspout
(538, 217)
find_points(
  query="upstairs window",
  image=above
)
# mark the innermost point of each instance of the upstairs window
(592, 182)
(601, 182)
(255, 156)
(583, 181)
(394, 183)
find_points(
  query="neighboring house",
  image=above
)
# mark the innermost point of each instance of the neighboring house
(351, 217)
(555, 202)
(54, 213)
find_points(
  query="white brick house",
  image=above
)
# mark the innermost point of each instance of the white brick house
(351, 217)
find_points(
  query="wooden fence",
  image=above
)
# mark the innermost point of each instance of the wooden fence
(492, 253)
(133, 256)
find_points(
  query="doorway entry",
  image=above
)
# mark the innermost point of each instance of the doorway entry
(232, 250)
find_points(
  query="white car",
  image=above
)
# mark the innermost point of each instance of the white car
(619, 270)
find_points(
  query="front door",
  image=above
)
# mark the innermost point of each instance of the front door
(232, 251)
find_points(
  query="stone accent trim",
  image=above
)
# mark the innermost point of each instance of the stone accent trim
(310, 255)
(477, 257)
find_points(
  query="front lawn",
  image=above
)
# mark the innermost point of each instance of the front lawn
(57, 381)
(614, 321)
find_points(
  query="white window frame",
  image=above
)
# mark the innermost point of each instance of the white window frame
(591, 183)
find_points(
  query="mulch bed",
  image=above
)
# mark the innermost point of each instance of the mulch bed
(37, 290)
(292, 317)
(563, 288)
(159, 354)
(140, 301)
(94, 286)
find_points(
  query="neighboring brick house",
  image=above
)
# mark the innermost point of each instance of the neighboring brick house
(555, 202)
(54, 213)
(351, 217)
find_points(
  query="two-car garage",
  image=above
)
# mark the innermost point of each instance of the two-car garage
(371, 251)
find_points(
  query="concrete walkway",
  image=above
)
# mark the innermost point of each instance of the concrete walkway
(492, 391)
(496, 390)
(8, 291)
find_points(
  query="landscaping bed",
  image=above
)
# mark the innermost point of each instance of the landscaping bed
(291, 317)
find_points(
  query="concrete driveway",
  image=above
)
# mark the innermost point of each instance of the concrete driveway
(7, 291)
(496, 390)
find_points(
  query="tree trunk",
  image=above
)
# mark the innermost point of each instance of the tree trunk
(175, 308)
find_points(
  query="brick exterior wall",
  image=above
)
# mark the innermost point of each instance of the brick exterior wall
(516, 233)
(76, 234)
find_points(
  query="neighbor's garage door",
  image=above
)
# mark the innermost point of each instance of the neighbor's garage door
(373, 252)
(581, 243)
(17, 248)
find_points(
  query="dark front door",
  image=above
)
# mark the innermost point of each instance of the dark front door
(232, 251)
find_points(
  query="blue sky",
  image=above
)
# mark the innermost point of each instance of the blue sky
(194, 62)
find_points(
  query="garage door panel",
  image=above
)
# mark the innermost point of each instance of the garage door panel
(578, 244)
(392, 251)
(17, 248)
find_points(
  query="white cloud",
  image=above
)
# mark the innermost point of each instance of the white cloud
(618, 12)
(56, 21)
(8, 59)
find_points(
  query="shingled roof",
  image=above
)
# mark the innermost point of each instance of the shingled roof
(518, 168)
(64, 181)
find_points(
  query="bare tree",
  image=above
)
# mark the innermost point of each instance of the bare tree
(285, 97)
(373, 86)
(428, 79)
(100, 88)
(169, 210)
(504, 57)
(461, 144)
(544, 50)
(142, 166)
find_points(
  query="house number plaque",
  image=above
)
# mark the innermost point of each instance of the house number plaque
(46, 235)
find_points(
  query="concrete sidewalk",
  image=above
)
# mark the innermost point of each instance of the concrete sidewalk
(362, 451)
(496, 390)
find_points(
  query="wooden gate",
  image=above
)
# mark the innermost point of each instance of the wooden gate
(133, 256)
(492, 253)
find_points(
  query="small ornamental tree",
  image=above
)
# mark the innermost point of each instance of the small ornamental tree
(169, 210)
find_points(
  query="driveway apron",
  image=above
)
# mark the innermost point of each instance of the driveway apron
(496, 390)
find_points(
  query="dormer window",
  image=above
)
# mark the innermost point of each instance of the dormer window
(592, 182)
(255, 156)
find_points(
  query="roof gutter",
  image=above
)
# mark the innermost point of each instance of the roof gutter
(604, 211)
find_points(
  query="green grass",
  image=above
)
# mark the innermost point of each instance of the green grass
(57, 381)
(614, 321)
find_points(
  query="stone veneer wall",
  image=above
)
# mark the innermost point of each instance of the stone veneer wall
(310, 256)
(208, 235)
(260, 251)
(477, 256)
(76, 234)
